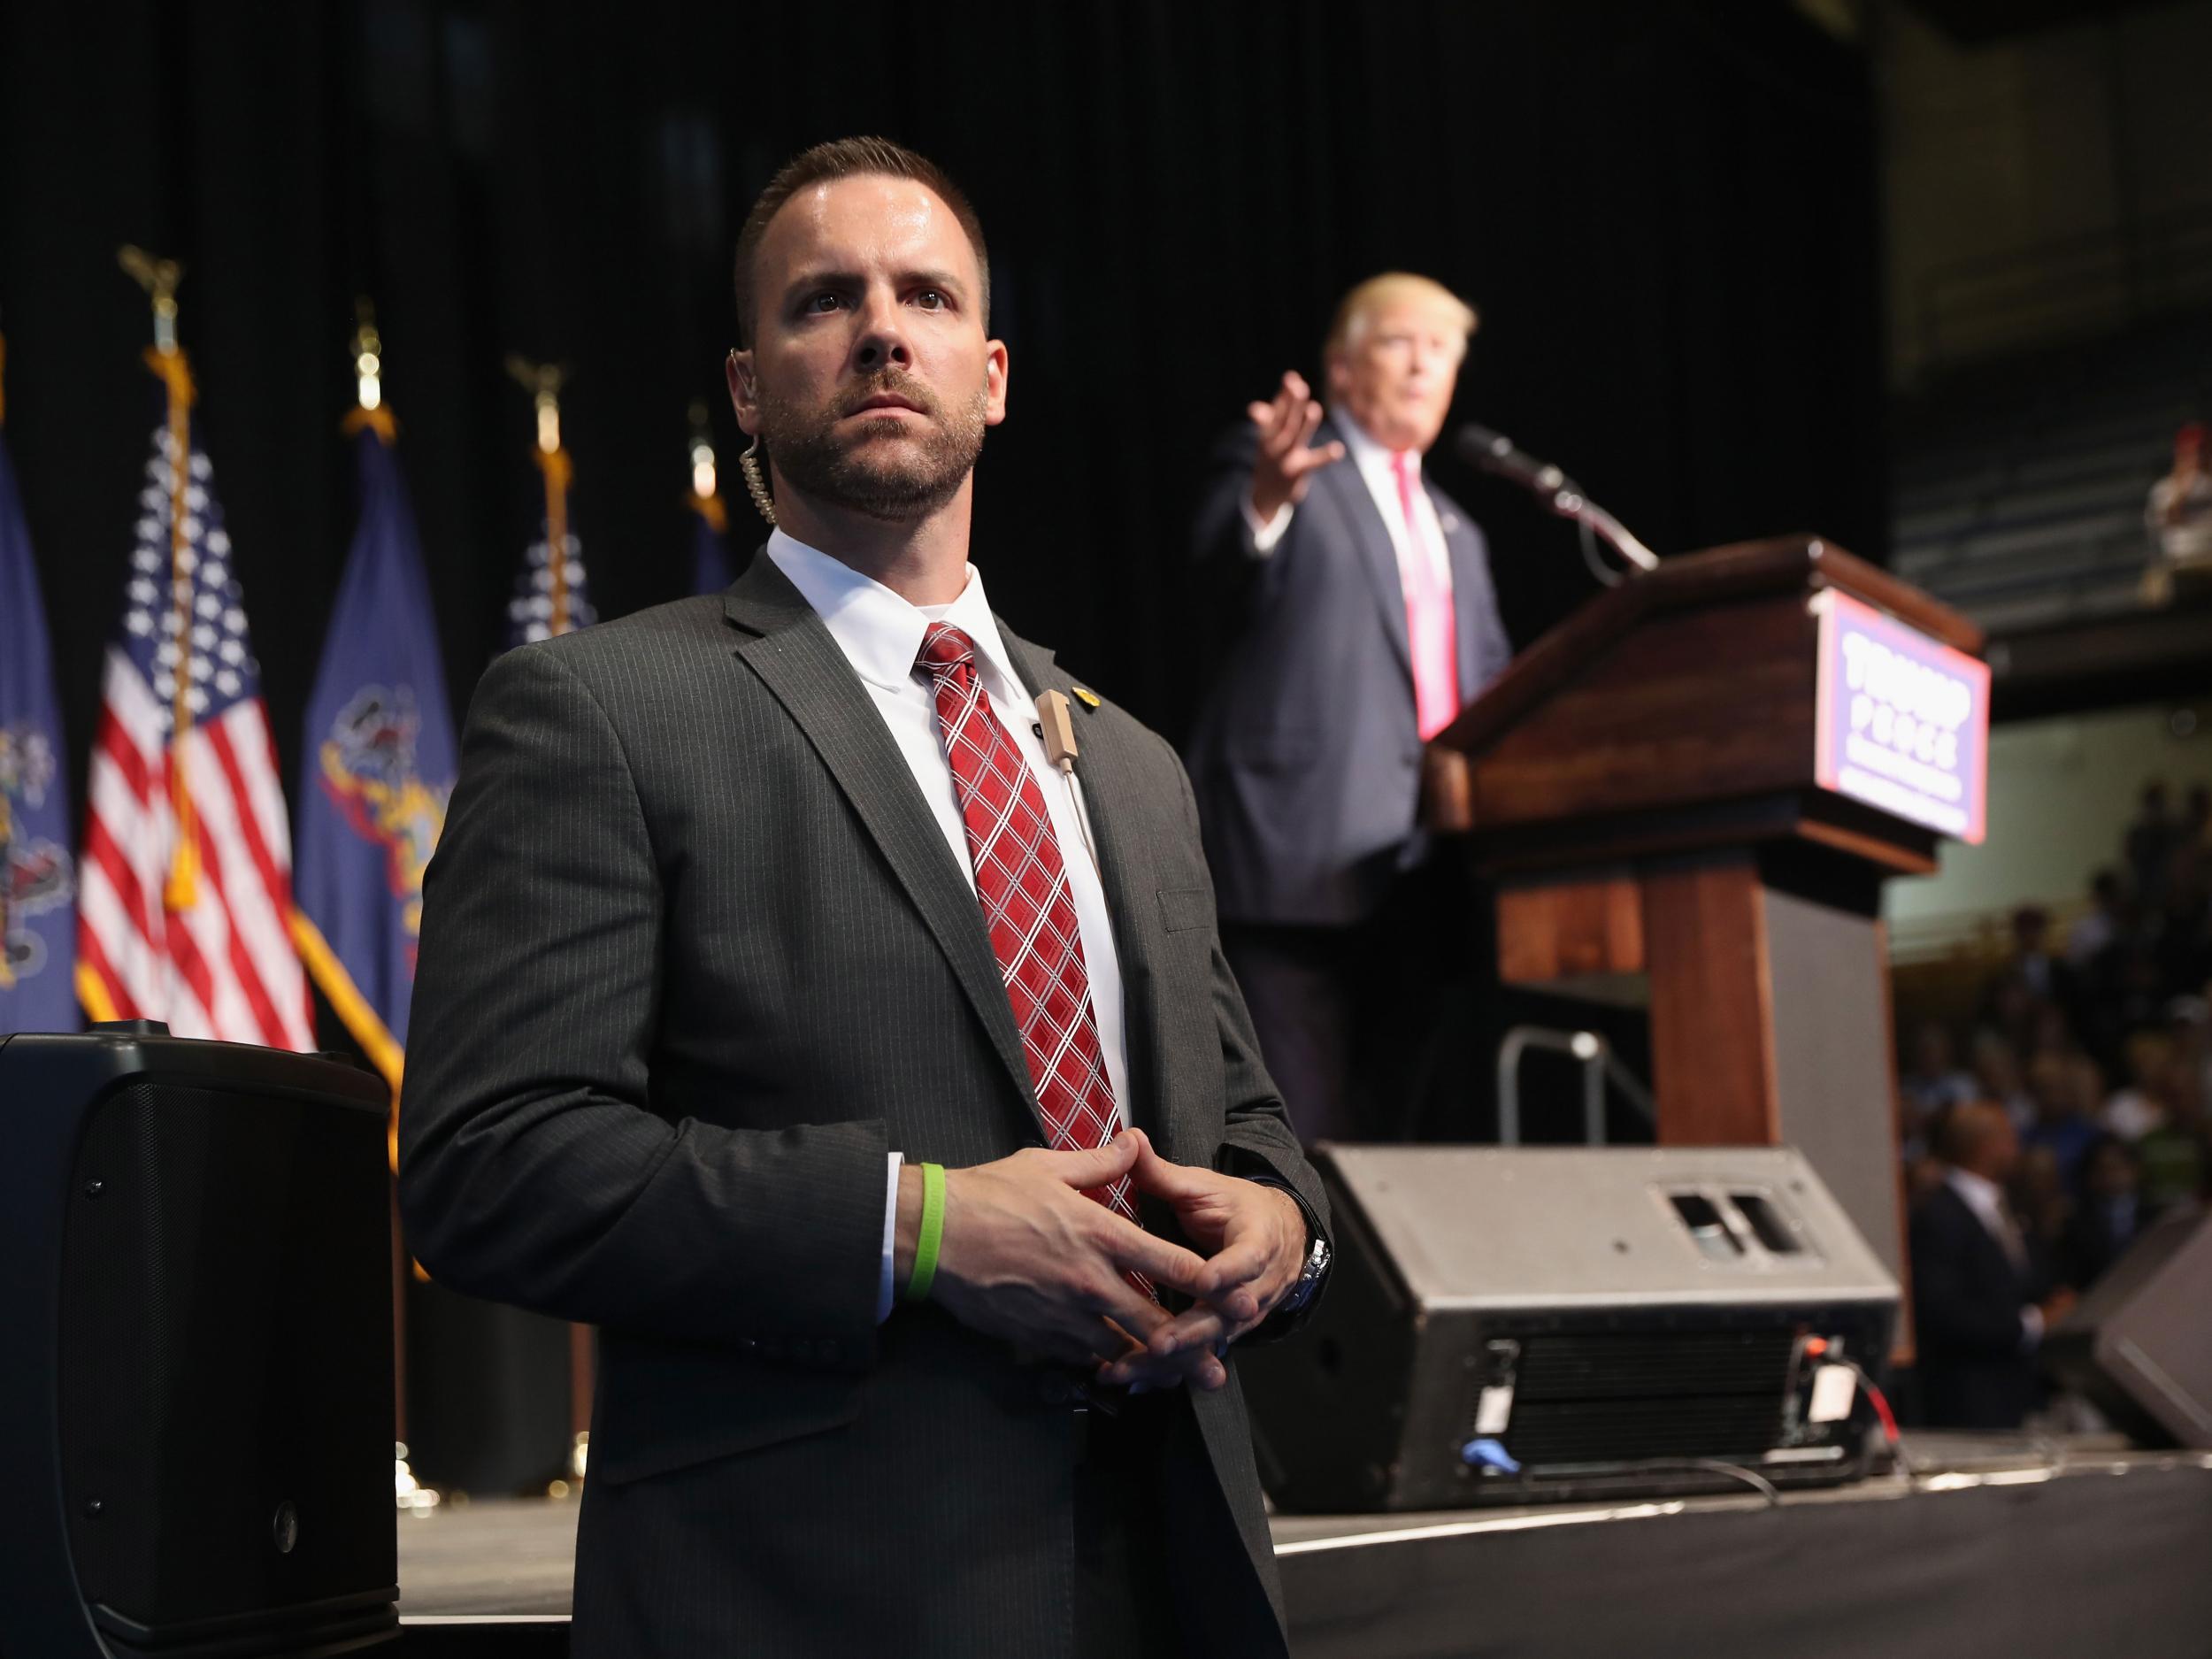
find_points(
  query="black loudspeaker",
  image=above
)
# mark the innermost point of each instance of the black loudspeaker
(1508, 1325)
(195, 1350)
(2139, 1343)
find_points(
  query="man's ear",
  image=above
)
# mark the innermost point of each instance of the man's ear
(744, 395)
(994, 369)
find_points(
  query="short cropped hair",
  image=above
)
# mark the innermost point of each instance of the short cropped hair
(1357, 309)
(849, 158)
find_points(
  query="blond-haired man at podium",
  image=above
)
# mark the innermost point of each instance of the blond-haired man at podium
(1365, 620)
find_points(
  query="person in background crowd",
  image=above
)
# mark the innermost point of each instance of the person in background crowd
(2149, 841)
(2134, 1110)
(1934, 1079)
(1979, 1303)
(2095, 928)
(1997, 1078)
(2180, 515)
(2065, 1121)
(2031, 950)
(2109, 1216)
(2043, 1199)
(2183, 923)
(2175, 1157)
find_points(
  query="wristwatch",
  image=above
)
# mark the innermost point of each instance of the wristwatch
(1309, 1277)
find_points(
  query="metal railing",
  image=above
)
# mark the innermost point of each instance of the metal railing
(1600, 1065)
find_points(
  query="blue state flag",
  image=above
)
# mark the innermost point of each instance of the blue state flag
(38, 918)
(379, 765)
(710, 571)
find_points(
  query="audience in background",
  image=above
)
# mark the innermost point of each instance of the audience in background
(2082, 1118)
(2179, 512)
(2107, 1217)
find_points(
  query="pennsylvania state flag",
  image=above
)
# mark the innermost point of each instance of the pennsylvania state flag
(38, 921)
(379, 765)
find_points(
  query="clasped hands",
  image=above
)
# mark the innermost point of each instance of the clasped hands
(1025, 1255)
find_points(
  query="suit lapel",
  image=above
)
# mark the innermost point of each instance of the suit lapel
(1348, 491)
(794, 654)
(1110, 771)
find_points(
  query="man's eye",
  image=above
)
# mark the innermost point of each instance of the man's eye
(932, 299)
(822, 302)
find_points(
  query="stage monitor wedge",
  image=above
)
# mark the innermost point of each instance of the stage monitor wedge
(2139, 1342)
(1508, 1324)
(196, 1383)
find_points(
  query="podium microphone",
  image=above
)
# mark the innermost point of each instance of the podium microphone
(1494, 452)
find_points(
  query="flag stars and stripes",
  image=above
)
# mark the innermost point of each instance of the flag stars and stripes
(221, 964)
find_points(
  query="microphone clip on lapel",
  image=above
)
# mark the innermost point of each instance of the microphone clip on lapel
(1056, 727)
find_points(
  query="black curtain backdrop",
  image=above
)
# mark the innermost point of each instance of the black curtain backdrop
(1666, 212)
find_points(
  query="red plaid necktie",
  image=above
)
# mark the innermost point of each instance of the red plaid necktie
(1027, 908)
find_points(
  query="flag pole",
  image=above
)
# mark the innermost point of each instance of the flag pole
(159, 277)
(543, 381)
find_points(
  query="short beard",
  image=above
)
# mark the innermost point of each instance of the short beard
(898, 478)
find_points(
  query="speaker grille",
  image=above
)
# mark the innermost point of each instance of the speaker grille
(226, 1357)
(1603, 1396)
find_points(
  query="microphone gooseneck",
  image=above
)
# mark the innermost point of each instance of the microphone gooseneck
(1494, 452)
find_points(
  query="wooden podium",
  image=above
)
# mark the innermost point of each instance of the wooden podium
(1662, 791)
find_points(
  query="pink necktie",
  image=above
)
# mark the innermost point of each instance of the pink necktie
(1432, 632)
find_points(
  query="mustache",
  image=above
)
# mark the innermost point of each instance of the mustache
(897, 384)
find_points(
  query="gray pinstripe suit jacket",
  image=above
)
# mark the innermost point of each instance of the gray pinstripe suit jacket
(694, 955)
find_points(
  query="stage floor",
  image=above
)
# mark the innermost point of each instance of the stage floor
(2006, 1546)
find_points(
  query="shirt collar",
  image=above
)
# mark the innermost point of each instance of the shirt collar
(1982, 1195)
(1370, 457)
(880, 632)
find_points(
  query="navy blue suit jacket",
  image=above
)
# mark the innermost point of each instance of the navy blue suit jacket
(1306, 758)
(1976, 1372)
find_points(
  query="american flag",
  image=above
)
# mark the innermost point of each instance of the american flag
(547, 602)
(185, 888)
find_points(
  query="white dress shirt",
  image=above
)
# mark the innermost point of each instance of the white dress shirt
(881, 634)
(1373, 462)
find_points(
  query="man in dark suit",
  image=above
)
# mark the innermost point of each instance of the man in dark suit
(1975, 1282)
(1366, 619)
(874, 1083)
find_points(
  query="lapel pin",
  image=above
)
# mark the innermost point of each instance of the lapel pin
(1085, 696)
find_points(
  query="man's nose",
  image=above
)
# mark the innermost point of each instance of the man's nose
(882, 339)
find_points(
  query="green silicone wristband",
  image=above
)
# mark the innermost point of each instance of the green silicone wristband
(932, 1232)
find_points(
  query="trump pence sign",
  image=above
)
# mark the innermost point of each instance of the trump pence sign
(1903, 719)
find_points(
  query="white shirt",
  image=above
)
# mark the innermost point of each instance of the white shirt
(2189, 537)
(880, 635)
(1373, 462)
(1983, 1196)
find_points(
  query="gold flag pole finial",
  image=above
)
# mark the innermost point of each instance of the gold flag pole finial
(159, 277)
(370, 410)
(543, 381)
(705, 499)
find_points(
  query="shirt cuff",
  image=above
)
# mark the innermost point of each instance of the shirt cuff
(890, 1226)
(2031, 1328)
(1266, 532)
